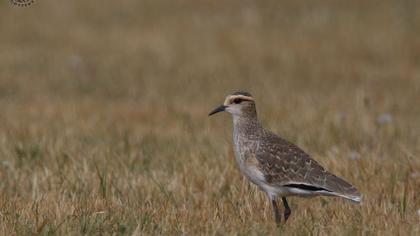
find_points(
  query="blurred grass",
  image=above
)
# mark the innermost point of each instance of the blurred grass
(104, 126)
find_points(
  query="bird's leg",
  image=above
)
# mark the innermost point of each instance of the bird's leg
(287, 210)
(276, 211)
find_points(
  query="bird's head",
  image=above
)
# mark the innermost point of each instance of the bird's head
(238, 104)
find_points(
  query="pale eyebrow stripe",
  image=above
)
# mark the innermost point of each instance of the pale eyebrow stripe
(232, 97)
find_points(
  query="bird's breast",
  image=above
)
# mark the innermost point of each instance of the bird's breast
(245, 153)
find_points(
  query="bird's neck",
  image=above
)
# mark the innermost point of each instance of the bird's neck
(246, 125)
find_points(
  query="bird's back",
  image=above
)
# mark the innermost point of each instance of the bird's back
(283, 164)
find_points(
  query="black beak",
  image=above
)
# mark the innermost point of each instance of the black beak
(218, 109)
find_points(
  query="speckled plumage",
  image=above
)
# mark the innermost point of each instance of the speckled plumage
(275, 165)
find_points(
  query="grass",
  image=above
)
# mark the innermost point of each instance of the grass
(104, 127)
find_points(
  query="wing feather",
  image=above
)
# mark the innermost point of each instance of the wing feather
(285, 164)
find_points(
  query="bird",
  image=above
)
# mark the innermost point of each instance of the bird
(278, 167)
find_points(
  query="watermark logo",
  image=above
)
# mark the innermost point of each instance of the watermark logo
(22, 3)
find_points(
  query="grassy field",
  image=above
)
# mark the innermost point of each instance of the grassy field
(104, 127)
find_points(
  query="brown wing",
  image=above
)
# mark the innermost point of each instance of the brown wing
(285, 164)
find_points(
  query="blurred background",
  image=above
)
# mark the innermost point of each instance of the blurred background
(104, 109)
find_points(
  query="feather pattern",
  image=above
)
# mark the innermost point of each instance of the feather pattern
(283, 165)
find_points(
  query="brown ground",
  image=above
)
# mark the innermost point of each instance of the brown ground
(104, 127)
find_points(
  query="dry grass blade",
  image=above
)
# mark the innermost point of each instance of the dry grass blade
(104, 128)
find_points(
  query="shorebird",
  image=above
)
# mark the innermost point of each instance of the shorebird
(276, 166)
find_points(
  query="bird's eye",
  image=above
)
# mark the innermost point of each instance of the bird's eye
(237, 100)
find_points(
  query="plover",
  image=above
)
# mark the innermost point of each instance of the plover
(276, 166)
